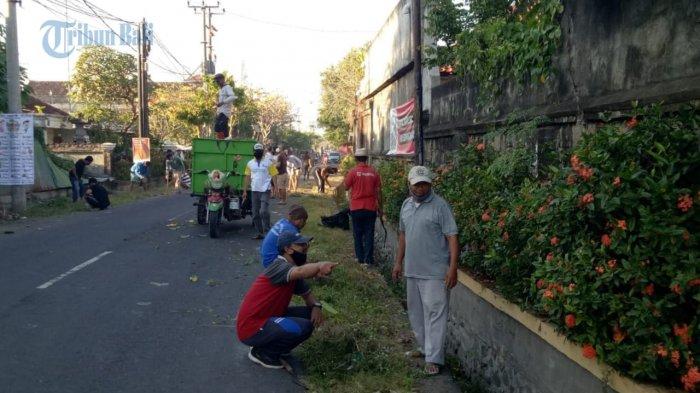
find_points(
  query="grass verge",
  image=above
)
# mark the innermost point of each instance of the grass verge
(360, 348)
(64, 205)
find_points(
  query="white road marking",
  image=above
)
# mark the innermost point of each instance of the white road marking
(73, 270)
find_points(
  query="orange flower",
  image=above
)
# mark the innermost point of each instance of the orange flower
(649, 289)
(685, 202)
(617, 182)
(501, 223)
(554, 241)
(585, 173)
(505, 236)
(542, 209)
(549, 257)
(682, 333)
(632, 122)
(612, 263)
(622, 224)
(694, 282)
(570, 320)
(540, 283)
(572, 286)
(691, 379)
(686, 235)
(486, 217)
(588, 351)
(600, 269)
(586, 199)
(661, 351)
(548, 294)
(571, 180)
(618, 335)
(675, 288)
(480, 147)
(605, 240)
(676, 358)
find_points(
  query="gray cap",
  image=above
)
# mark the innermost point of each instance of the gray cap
(419, 174)
(361, 152)
(258, 146)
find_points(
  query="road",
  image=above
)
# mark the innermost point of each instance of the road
(104, 302)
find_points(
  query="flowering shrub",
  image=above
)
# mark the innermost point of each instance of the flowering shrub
(605, 247)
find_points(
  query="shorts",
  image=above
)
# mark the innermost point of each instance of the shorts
(283, 181)
(221, 125)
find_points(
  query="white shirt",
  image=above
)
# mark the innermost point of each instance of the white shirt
(226, 98)
(260, 174)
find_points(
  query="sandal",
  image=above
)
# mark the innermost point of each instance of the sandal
(432, 369)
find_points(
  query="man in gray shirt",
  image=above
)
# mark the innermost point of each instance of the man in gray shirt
(429, 247)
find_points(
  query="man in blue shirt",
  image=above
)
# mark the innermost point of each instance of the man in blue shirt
(294, 223)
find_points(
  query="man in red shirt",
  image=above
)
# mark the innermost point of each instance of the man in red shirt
(265, 322)
(365, 201)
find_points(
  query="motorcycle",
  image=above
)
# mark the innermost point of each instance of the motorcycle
(219, 202)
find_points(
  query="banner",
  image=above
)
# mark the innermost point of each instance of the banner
(141, 149)
(401, 132)
(16, 150)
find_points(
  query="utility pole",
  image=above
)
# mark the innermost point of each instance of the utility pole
(14, 104)
(144, 48)
(417, 30)
(207, 33)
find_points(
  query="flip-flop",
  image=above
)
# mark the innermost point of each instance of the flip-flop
(431, 369)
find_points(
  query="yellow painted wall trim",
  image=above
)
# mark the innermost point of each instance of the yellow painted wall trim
(546, 331)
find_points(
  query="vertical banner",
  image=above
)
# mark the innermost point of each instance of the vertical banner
(16, 150)
(401, 133)
(141, 149)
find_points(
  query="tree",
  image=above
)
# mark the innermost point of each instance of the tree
(298, 140)
(181, 111)
(339, 84)
(274, 115)
(104, 86)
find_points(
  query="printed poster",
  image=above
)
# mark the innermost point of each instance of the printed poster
(141, 148)
(401, 132)
(16, 150)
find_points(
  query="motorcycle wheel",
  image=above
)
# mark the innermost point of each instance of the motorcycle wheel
(201, 213)
(214, 230)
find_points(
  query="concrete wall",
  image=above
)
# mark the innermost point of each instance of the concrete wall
(611, 53)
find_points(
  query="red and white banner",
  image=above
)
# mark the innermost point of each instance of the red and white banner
(401, 133)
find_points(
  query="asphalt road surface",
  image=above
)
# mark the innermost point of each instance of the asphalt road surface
(108, 302)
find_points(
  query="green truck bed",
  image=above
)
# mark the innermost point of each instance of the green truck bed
(224, 155)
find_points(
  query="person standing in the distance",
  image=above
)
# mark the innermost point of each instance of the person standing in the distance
(258, 175)
(306, 161)
(282, 178)
(429, 248)
(76, 177)
(224, 104)
(364, 185)
(294, 168)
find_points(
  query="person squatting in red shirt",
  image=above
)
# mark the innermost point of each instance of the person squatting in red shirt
(265, 321)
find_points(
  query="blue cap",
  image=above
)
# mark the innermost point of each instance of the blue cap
(288, 238)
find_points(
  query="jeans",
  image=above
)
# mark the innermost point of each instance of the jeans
(279, 335)
(261, 211)
(363, 233)
(78, 188)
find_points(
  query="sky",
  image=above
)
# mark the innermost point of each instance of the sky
(281, 46)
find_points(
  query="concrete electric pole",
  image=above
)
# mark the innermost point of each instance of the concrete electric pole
(14, 103)
(207, 33)
(144, 48)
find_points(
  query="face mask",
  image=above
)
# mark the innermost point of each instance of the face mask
(421, 199)
(257, 154)
(299, 258)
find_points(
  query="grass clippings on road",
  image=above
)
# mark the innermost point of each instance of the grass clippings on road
(360, 348)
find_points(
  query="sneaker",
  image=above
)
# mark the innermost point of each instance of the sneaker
(263, 360)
